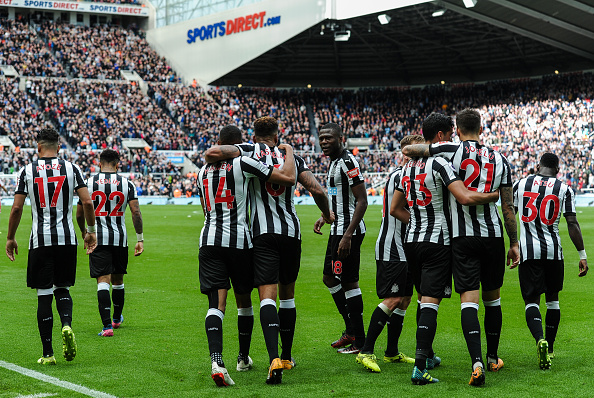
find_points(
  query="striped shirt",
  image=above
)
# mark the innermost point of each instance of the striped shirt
(223, 187)
(272, 207)
(540, 201)
(481, 169)
(424, 182)
(111, 194)
(343, 174)
(388, 246)
(50, 184)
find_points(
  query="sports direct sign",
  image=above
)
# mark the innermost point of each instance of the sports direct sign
(98, 8)
(231, 26)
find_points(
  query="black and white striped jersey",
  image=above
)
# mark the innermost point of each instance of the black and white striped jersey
(50, 184)
(482, 169)
(424, 182)
(223, 187)
(388, 246)
(111, 194)
(540, 201)
(343, 174)
(271, 205)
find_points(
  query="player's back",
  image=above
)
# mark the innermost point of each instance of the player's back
(388, 246)
(50, 184)
(111, 194)
(540, 201)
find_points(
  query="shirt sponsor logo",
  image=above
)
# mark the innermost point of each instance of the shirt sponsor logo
(332, 191)
(353, 173)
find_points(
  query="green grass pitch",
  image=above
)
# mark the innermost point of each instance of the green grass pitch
(161, 349)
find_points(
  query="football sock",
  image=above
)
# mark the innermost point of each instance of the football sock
(341, 304)
(245, 326)
(270, 325)
(354, 301)
(395, 323)
(493, 321)
(214, 333)
(552, 319)
(380, 316)
(534, 321)
(425, 334)
(472, 331)
(64, 305)
(104, 300)
(117, 296)
(431, 353)
(45, 320)
(287, 315)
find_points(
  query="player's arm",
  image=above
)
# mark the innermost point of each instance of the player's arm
(360, 193)
(509, 220)
(221, 152)
(14, 220)
(443, 149)
(89, 213)
(397, 207)
(471, 198)
(309, 182)
(80, 219)
(575, 233)
(4, 189)
(416, 151)
(286, 175)
(137, 221)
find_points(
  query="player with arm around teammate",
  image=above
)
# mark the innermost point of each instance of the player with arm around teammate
(111, 194)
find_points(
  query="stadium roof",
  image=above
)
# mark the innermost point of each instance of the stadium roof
(495, 39)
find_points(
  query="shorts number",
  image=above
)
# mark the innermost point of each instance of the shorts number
(275, 189)
(59, 180)
(336, 267)
(118, 196)
(476, 171)
(542, 211)
(422, 188)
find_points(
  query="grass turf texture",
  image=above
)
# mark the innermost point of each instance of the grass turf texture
(161, 349)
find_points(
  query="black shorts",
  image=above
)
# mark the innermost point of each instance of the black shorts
(277, 258)
(345, 270)
(107, 260)
(219, 264)
(51, 265)
(393, 279)
(478, 262)
(431, 268)
(540, 276)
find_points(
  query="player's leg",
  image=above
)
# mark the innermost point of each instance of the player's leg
(287, 312)
(100, 266)
(395, 324)
(242, 278)
(64, 277)
(554, 281)
(118, 292)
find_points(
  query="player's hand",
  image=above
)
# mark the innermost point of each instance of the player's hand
(330, 218)
(12, 248)
(583, 265)
(513, 256)
(318, 225)
(90, 242)
(285, 147)
(344, 247)
(139, 248)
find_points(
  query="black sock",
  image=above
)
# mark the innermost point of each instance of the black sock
(534, 321)
(45, 323)
(64, 306)
(117, 297)
(472, 332)
(245, 326)
(425, 335)
(214, 333)
(270, 324)
(493, 321)
(376, 325)
(431, 354)
(104, 307)
(552, 319)
(287, 317)
(355, 305)
(341, 304)
(395, 323)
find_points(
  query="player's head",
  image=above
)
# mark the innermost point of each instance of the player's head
(468, 122)
(266, 129)
(331, 139)
(411, 140)
(48, 139)
(549, 161)
(109, 158)
(438, 127)
(230, 135)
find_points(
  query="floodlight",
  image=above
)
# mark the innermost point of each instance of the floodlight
(438, 13)
(342, 35)
(384, 19)
(469, 3)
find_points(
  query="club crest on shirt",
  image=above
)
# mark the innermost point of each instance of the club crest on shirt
(353, 173)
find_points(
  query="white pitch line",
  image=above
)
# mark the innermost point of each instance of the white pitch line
(55, 381)
(41, 395)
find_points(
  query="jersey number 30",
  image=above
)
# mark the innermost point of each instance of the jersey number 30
(542, 212)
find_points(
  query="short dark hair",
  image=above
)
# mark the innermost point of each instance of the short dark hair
(468, 121)
(109, 156)
(265, 127)
(335, 128)
(48, 137)
(412, 139)
(434, 123)
(549, 160)
(230, 134)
